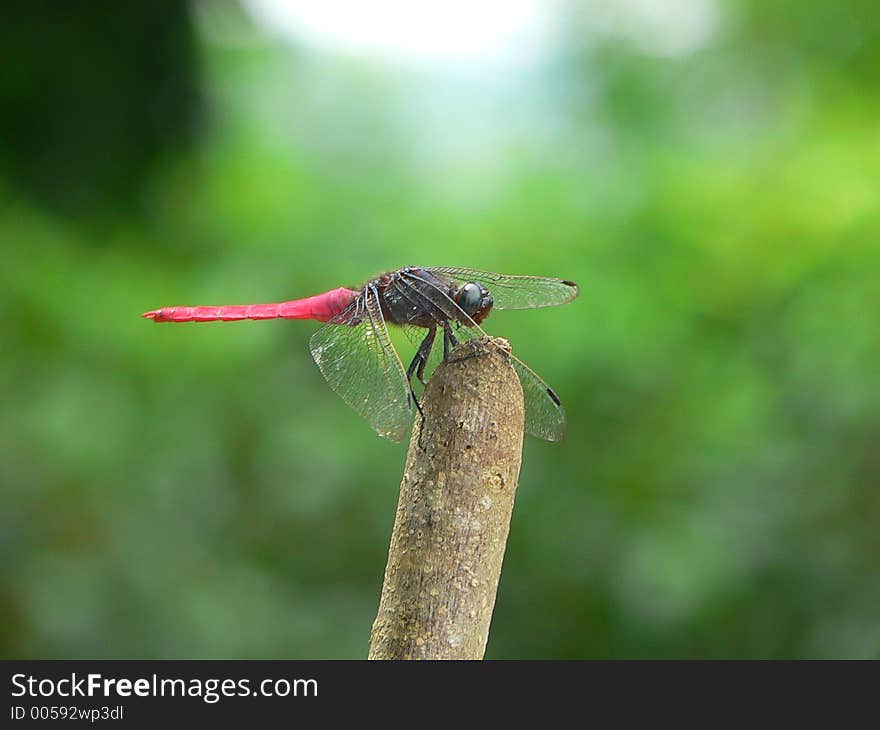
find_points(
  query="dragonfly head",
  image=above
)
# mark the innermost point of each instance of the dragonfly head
(474, 299)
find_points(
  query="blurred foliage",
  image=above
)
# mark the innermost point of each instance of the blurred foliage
(93, 95)
(197, 491)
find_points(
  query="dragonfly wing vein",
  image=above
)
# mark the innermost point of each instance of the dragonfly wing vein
(515, 292)
(356, 357)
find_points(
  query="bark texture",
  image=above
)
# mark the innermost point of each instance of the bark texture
(453, 515)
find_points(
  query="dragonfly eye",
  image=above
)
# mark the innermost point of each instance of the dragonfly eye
(470, 298)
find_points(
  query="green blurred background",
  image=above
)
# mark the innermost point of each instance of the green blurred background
(707, 170)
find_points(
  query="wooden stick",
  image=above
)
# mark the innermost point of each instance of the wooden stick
(453, 515)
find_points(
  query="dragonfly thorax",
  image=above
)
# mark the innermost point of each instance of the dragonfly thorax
(418, 297)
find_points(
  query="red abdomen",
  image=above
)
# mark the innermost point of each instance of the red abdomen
(321, 307)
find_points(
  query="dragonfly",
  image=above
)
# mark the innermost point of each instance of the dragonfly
(355, 353)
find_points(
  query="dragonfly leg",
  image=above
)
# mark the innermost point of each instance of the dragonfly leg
(417, 367)
(420, 373)
(449, 340)
(415, 402)
(418, 363)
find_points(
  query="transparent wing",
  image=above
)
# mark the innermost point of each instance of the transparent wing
(544, 414)
(355, 355)
(514, 292)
